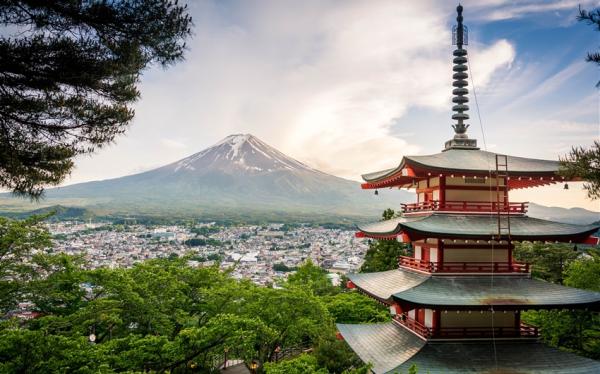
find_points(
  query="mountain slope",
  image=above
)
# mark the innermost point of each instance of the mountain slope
(578, 216)
(239, 173)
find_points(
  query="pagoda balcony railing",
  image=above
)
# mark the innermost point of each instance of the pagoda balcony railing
(524, 330)
(465, 206)
(463, 267)
(414, 325)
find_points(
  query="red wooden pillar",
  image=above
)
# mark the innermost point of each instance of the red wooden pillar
(425, 253)
(442, 191)
(440, 254)
(435, 323)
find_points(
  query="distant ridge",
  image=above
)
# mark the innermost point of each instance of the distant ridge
(240, 173)
(578, 216)
(240, 177)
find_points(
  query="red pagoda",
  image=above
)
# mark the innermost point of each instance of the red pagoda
(456, 302)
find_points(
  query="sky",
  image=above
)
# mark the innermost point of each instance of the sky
(349, 87)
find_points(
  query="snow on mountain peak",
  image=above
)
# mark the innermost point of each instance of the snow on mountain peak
(243, 152)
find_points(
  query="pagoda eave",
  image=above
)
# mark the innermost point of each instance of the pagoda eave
(499, 307)
(394, 349)
(420, 235)
(526, 173)
(476, 227)
(411, 289)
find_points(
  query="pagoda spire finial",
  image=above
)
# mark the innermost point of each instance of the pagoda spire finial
(460, 38)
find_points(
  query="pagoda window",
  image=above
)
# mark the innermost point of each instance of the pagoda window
(418, 252)
(433, 254)
(428, 318)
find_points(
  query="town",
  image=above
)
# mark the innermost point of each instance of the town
(263, 254)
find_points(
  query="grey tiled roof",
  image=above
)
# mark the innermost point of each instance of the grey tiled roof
(512, 357)
(479, 227)
(384, 284)
(384, 345)
(463, 160)
(392, 349)
(510, 292)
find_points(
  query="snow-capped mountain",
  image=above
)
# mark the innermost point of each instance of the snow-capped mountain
(239, 173)
(237, 153)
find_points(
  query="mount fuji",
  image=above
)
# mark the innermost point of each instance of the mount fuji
(240, 174)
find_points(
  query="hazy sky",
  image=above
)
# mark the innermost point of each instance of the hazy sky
(350, 87)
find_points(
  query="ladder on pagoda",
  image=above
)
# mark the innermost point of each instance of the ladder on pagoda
(502, 206)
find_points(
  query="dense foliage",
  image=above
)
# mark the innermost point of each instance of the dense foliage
(383, 254)
(162, 315)
(69, 73)
(591, 18)
(18, 242)
(201, 242)
(585, 164)
(550, 261)
(573, 330)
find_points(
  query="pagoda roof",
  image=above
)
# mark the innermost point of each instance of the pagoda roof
(471, 292)
(393, 349)
(464, 162)
(382, 285)
(384, 345)
(501, 292)
(471, 226)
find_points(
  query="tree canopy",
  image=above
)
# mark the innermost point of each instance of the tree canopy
(592, 18)
(160, 315)
(573, 330)
(68, 74)
(585, 164)
(383, 254)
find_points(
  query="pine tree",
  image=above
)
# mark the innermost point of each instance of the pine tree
(69, 71)
(591, 18)
(585, 164)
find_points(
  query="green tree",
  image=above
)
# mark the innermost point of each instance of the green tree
(579, 330)
(69, 74)
(585, 271)
(591, 18)
(549, 261)
(353, 307)
(383, 254)
(336, 356)
(303, 364)
(159, 315)
(295, 315)
(585, 164)
(310, 276)
(18, 240)
(388, 214)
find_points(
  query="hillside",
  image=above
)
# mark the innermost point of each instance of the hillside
(240, 175)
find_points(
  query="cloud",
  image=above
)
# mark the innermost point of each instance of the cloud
(170, 143)
(322, 81)
(350, 87)
(497, 10)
